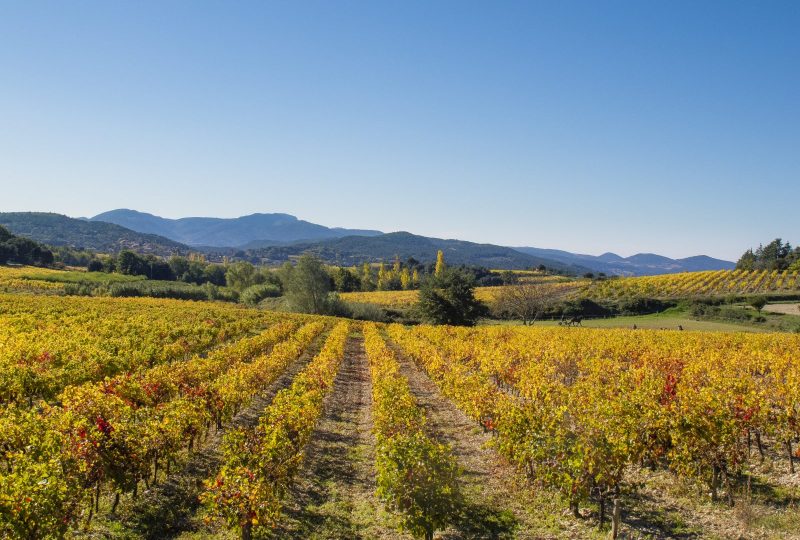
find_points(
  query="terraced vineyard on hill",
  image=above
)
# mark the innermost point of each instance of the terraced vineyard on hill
(141, 418)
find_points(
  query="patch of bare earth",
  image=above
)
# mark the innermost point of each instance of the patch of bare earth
(169, 508)
(334, 496)
(786, 309)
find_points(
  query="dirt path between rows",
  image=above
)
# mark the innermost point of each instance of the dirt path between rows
(498, 503)
(334, 496)
(170, 508)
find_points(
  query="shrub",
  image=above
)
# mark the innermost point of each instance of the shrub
(367, 312)
(758, 303)
(256, 293)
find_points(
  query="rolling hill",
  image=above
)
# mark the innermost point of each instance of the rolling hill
(275, 238)
(60, 230)
(255, 230)
(352, 250)
(641, 264)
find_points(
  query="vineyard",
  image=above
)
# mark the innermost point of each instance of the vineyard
(684, 285)
(689, 284)
(144, 418)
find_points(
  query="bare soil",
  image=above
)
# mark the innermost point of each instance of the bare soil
(334, 496)
(786, 309)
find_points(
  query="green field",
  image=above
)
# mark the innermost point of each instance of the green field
(673, 319)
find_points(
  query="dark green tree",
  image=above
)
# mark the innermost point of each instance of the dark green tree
(345, 280)
(450, 299)
(8, 252)
(747, 261)
(241, 275)
(179, 265)
(758, 303)
(776, 255)
(215, 274)
(130, 263)
(307, 286)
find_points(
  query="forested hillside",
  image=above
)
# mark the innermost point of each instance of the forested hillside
(60, 230)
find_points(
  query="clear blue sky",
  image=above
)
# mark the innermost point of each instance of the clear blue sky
(671, 127)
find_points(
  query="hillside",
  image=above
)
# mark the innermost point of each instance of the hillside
(641, 264)
(19, 250)
(253, 231)
(352, 250)
(59, 230)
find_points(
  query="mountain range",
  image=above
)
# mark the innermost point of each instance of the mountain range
(641, 264)
(255, 230)
(275, 238)
(350, 250)
(59, 230)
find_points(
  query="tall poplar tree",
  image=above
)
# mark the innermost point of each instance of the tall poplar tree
(405, 279)
(440, 266)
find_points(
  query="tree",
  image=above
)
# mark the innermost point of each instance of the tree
(776, 255)
(241, 275)
(758, 303)
(405, 279)
(383, 278)
(449, 299)
(307, 286)
(179, 265)
(130, 263)
(440, 265)
(747, 261)
(526, 301)
(366, 278)
(214, 274)
(23, 250)
(8, 252)
(346, 280)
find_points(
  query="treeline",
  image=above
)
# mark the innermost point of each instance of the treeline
(16, 249)
(191, 269)
(409, 275)
(776, 255)
(187, 278)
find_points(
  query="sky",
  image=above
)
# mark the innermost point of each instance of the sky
(644, 126)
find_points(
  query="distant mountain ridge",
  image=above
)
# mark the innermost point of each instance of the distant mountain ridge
(351, 250)
(641, 264)
(59, 230)
(242, 232)
(279, 237)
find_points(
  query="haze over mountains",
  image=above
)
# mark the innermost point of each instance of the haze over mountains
(254, 230)
(275, 238)
(59, 230)
(264, 231)
(636, 265)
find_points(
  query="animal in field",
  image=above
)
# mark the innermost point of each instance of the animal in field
(572, 321)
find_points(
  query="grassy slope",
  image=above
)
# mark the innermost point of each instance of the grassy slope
(673, 318)
(671, 321)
